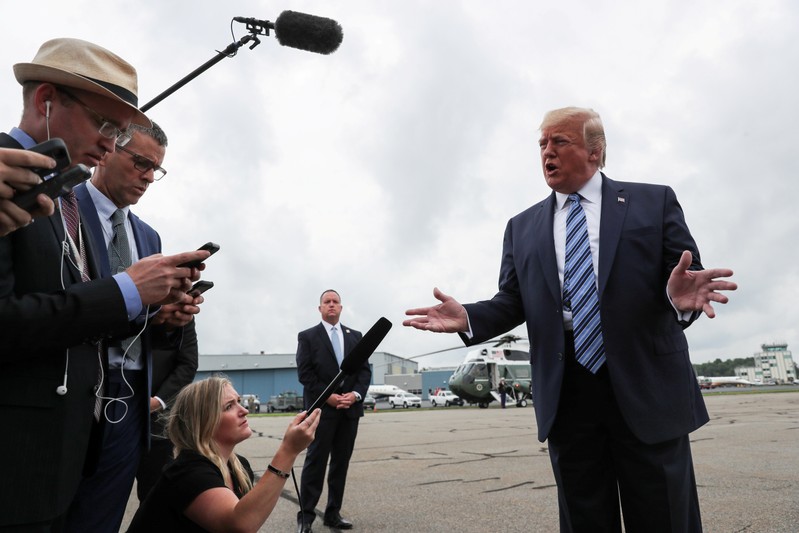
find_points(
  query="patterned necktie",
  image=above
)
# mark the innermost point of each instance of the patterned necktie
(119, 259)
(69, 210)
(336, 345)
(579, 290)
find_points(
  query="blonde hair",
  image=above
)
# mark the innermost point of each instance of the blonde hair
(593, 131)
(193, 420)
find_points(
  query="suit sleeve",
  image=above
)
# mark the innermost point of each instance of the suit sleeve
(37, 322)
(184, 363)
(676, 239)
(504, 311)
(306, 368)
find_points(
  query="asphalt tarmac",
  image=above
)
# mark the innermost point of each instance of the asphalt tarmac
(467, 469)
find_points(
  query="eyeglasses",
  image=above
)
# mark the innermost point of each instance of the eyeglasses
(107, 128)
(143, 164)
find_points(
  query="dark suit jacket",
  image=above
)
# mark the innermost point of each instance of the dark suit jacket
(174, 364)
(148, 242)
(317, 367)
(44, 309)
(642, 235)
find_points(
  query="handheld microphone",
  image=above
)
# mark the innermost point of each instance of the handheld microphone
(356, 358)
(306, 32)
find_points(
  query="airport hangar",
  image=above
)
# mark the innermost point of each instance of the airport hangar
(271, 374)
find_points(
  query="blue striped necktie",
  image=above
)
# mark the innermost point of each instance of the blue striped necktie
(579, 290)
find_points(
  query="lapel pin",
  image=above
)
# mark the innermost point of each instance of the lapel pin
(621, 199)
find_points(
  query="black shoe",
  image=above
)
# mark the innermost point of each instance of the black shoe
(304, 529)
(336, 522)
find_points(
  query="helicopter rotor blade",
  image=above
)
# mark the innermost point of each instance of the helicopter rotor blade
(507, 339)
(437, 351)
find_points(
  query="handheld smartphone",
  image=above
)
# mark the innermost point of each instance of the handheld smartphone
(56, 149)
(54, 187)
(200, 287)
(210, 246)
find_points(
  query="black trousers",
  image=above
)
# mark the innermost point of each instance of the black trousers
(100, 503)
(598, 462)
(335, 439)
(151, 465)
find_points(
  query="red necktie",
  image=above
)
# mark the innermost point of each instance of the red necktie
(69, 208)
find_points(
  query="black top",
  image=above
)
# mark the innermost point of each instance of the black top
(180, 483)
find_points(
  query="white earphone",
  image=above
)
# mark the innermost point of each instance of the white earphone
(61, 390)
(47, 108)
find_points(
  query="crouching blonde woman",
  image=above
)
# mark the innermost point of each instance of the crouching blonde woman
(208, 487)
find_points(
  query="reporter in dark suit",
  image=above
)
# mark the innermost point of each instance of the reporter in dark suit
(119, 181)
(619, 430)
(54, 313)
(317, 366)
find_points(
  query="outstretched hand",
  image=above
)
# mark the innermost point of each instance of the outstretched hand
(694, 290)
(447, 317)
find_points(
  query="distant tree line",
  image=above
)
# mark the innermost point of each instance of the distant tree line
(722, 368)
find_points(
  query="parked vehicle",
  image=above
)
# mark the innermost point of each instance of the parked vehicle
(251, 402)
(405, 399)
(445, 398)
(287, 401)
(369, 402)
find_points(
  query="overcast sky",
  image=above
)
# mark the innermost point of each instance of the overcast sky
(393, 165)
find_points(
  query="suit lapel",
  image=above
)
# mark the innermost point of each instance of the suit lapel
(349, 341)
(143, 247)
(88, 213)
(542, 229)
(614, 209)
(58, 225)
(321, 330)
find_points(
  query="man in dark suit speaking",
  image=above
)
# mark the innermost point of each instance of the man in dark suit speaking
(320, 351)
(606, 275)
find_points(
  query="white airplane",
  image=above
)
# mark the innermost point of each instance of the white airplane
(712, 382)
(383, 391)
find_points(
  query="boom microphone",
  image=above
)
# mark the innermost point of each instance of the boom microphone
(298, 30)
(356, 358)
(308, 32)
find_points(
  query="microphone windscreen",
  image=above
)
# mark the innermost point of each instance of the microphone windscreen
(308, 32)
(365, 347)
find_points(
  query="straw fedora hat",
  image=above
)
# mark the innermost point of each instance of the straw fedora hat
(87, 66)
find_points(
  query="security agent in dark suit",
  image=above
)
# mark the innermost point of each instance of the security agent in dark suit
(317, 366)
(619, 432)
(119, 181)
(54, 325)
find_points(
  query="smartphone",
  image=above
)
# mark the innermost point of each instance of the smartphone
(54, 187)
(200, 287)
(210, 246)
(56, 149)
